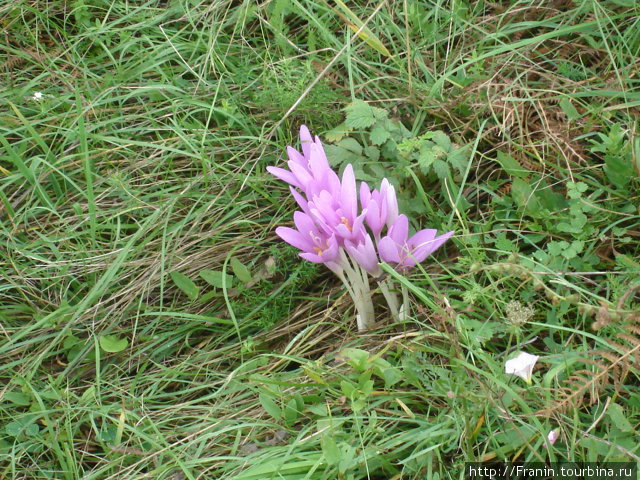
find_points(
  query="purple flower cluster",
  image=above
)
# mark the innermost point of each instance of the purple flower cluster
(331, 229)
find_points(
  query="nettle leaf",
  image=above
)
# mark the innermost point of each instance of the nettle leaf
(240, 270)
(372, 153)
(441, 168)
(362, 115)
(379, 135)
(216, 278)
(337, 133)
(113, 344)
(185, 284)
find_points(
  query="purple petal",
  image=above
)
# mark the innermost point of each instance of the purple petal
(305, 140)
(388, 250)
(348, 195)
(304, 223)
(301, 173)
(318, 163)
(400, 230)
(392, 205)
(312, 257)
(300, 200)
(284, 175)
(296, 157)
(295, 238)
(365, 194)
(373, 217)
(423, 238)
(365, 255)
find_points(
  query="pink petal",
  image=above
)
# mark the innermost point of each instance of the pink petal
(400, 229)
(304, 223)
(284, 175)
(365, 194)
(305, 140)
(348, 194)
(388, 250)
(295, 238)
(301, 173)
(296, 157)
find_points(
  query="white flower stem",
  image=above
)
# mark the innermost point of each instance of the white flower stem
(387, 289)
(404, 309)
(358, 287)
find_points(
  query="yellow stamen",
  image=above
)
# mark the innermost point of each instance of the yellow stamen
(318, 251)
(347, 224)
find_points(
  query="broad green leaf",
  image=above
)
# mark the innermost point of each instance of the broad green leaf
(291, 411)
(215, 278)
(185, 284)
(270, 406)
(511, 165)
(240, 270)
(619, 169)
(18, 398)
(617, 417)
(330, 450)
(113, 344)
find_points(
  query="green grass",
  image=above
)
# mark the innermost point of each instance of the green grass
(143, 166)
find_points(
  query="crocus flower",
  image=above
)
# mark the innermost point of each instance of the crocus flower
(309, 170)
(522, 366)
(332, 230)
(396, 248)
(338, 213)
(364, 253)
(316, 246)
(381, 206)
(553, 436)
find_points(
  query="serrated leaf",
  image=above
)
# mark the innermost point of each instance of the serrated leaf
(241, 272)
(379, 135)
(556, 248)
(441, 168)
(113, 344)
(217, 279)
(426, 159)
(185, 284)
(568, 109)
(337, 133)
(270, 406)
(352, 145)
(441, 139)
(372, 153)
(511, 165)
(362, 115)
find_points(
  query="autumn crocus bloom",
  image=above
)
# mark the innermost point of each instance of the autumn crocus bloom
(553, 436)
(316, 246)
(381, 206)
(522, 366)
(405, 252)
(332, 230)
(339, 212)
